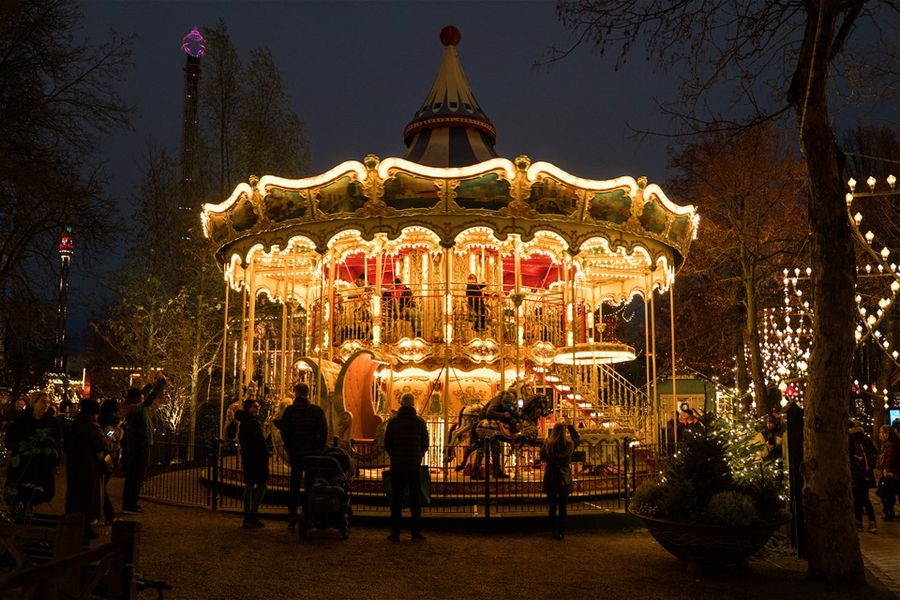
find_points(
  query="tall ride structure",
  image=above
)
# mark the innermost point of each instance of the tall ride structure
(194, 47)
(66, 249)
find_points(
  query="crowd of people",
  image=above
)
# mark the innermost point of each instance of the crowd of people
(92, 442)
(102, 438)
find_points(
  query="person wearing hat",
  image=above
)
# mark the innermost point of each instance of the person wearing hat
(406, 441)
(138, 439)
(85, 449)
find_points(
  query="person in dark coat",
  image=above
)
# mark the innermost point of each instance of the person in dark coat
(85, 450)
(889, 463)
(33, 440)
(138, 439)
(255, 460)
(406, 441)
(556, 453)
(862, 475)
(304, 431)
(475, 300)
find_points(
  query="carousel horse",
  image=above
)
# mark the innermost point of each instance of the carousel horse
(498, 420)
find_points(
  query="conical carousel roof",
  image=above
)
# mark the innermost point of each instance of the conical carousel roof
(450, 129)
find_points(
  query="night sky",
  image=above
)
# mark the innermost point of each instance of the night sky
(356, 73)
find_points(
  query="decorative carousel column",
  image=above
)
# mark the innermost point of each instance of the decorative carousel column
(376, 297)
(517, 301)
(672, 331)
(251, 326)
(330, 303)
(224, 361)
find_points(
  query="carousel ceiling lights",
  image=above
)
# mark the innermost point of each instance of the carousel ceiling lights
(603, 353)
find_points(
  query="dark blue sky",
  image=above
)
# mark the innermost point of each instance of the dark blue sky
(357, 71)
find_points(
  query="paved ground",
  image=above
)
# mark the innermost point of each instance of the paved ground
(209, 556)
(881, 551)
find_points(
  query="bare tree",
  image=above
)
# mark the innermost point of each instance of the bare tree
(56, 98)
(778, 56)
(749, 188)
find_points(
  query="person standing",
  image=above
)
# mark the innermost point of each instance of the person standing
(304, 431)
(254, 459)
(475, 300)
(889, 463)
(862, 475)
(406, 441)
(85, 449)
(556, 453)
(33, 440)
(138, 439)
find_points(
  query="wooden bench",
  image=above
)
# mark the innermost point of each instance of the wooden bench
(50, 561)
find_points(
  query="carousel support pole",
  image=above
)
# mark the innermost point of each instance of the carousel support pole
(672, 336)
(251, 326)
(332, 300)
(282, 364)
(656, 398)
(321, 337)
(654, 412)
(501, 318)
(377, 321)
(242, 358)
(224, 362)
(448, 336)
(569, 307)
(517, 300)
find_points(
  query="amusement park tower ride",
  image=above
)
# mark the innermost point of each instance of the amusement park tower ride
(194, 47)
(66, 249)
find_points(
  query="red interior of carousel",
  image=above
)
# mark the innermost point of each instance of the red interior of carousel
(539, 271)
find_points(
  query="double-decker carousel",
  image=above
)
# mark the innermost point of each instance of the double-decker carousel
(454, 275)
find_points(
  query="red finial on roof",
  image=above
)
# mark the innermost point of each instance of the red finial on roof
(450, 36)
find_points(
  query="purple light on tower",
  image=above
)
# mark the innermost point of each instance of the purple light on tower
(193, 44)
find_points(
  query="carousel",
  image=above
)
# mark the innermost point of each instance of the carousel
(452, 274)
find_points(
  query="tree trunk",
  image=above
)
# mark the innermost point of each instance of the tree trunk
(756, 362)
(742, 378)
(832, 544)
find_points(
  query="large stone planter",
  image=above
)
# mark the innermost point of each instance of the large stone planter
(711, 545)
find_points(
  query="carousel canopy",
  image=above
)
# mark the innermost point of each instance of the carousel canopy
(450, 130)
(623, 235)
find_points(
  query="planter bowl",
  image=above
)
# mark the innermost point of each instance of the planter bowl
(714, 545)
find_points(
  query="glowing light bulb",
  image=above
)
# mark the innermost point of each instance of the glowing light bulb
(891, 181)
(870, 236)
(871, 183)
(851, 183)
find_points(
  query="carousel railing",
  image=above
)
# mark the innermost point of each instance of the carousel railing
(424, 314)
(491, 478)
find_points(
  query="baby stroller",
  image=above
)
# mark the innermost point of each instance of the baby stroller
(326, 486)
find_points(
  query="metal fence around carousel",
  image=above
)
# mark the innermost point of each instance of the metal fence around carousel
(493, 481)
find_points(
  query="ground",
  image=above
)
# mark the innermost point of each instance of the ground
(209, 556)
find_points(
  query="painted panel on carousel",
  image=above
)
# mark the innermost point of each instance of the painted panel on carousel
(486, 192)
(343, 196)
(407, 191)
(550, 197)
(244, 216)
(281, 204)
(680, 230)
(218, 227)
(653, 218)
(614, 206)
